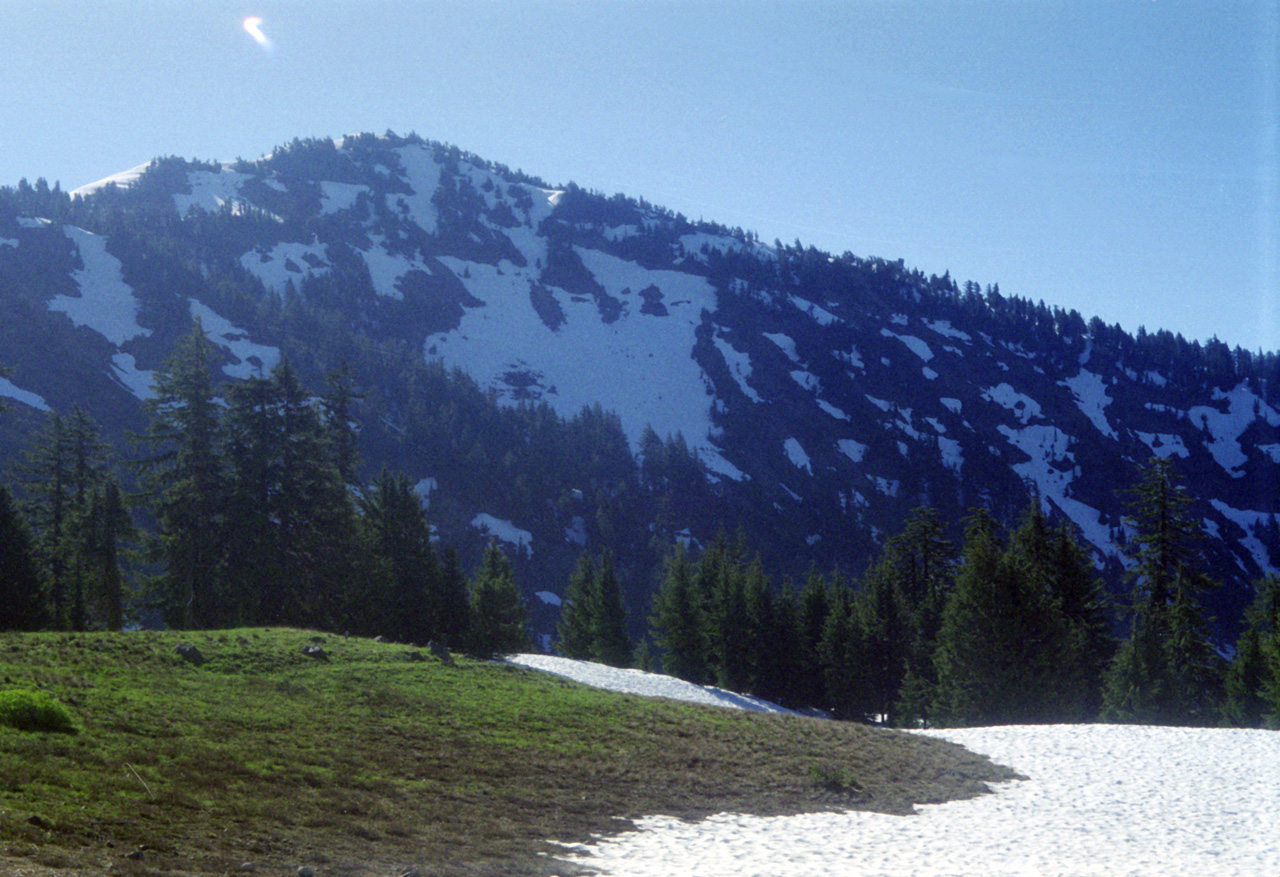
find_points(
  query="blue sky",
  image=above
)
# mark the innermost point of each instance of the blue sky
(1118, 157)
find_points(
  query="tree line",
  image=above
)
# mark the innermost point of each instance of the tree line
(254, 516)
(1013, 626)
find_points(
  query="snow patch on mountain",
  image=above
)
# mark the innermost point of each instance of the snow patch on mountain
(106, 303)
(139, 382)
(945, 329)
(640, 365)
(210, 190)
(1250, 522)
(821, 316)
(420, 170)
(796, 454)
(251, 359)
(1163, 444)
(10, 390)
(336, 197)
(832, 410)
(504, 531)
(1020, 404)
(739, 365)
(1224, 428)
(785, 344)
(123, 179)
(916, 345)
(851, 449)
(1090, 392)
(284, 262)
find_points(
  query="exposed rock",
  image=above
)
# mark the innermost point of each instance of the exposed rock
(318, 640)
(306, 871)
(414, 656)
(190, 654)
(40, 822)
(381, 639)
(440, 652)
(316, 653)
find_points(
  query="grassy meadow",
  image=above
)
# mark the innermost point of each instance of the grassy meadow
(117, 756)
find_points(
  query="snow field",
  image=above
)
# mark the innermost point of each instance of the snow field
(1098, 800)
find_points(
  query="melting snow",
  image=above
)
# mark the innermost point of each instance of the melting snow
(832, 410)
(1098, 800)
(122, 179)
(549, 598)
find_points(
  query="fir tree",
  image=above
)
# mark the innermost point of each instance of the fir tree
(574, 630)
(677, 620)
(183, 481)
(1167, 671)
(499, 620)
(410, 609)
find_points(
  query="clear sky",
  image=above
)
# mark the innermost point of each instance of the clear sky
(1118, 157)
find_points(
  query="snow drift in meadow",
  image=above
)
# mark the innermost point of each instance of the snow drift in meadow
(1099, 800)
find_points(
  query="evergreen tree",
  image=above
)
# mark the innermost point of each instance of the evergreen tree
(1001, 637)
(108, 524)
(610, 643)
(183, 480)
(1253, 679)
(22, 599)
(841, 654)
(809, 686)
(47, 479)
(677, 620)
(574, 630)
(410, 608)
(454, 603)
(499, 620)
(1167, 672)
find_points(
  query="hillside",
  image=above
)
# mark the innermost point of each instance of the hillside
(562, 370)
(380, 758)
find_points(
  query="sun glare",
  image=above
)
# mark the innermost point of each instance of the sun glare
(253, 24)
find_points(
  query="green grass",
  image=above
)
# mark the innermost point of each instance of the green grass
(374, 761)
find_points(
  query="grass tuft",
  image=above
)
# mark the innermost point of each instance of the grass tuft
(34, 711)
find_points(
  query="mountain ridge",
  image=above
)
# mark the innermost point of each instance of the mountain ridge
(823, 396)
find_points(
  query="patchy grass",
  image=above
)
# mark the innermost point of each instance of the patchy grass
(377, 760)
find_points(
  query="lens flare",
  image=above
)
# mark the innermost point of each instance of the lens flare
(253, 24)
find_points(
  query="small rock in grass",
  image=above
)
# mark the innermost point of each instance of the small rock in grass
(306, 871)
(190, 654)
(315, 653)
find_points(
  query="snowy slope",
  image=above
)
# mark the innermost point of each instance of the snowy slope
(1098, 800)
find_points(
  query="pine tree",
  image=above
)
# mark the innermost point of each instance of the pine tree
(499, 620)
(454, 602)
(23, 604)
(108, 525)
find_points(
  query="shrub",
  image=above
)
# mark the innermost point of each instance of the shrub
(33, 711)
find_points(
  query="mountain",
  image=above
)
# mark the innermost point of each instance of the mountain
(562, 370)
